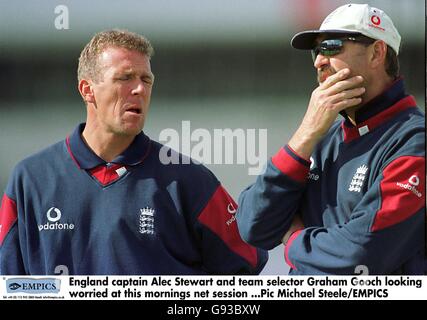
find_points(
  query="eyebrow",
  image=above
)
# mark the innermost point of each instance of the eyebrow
(132, 72)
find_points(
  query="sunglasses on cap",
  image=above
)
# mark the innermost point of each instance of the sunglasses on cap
(331, 47)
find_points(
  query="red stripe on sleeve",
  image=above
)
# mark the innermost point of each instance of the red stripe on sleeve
(8, 216)
(402, 191)
(218, 216)
(290, 166)
(288, 245)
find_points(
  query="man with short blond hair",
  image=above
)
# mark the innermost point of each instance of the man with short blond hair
(101, 201)
(89, 57)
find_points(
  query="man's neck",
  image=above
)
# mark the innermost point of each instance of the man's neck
(106, 145)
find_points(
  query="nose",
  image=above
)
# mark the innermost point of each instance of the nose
(139, 88)
(321, 61)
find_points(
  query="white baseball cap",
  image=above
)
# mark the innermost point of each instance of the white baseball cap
(357, 19)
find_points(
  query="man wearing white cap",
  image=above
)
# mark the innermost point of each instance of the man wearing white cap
(347, 195)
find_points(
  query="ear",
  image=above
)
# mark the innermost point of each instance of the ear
(86, 91)
(378, 53)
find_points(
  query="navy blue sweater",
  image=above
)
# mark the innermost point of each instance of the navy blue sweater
(66, 207)
(361, 196)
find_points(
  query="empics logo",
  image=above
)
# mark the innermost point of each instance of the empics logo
(53, 216)
(14, 286)
(413, 182)
(28, 285)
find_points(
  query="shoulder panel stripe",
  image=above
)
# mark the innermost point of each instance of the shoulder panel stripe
(402, 191)
(8, 216)
(218, 216)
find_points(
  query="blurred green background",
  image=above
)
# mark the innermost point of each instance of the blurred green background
(220, 64)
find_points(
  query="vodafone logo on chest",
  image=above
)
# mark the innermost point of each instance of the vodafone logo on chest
(54, 216)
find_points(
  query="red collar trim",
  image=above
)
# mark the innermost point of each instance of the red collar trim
(67, 142)
(351, 133)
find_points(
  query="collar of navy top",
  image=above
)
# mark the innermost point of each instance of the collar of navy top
(390, 96)
(378, 111)
(87, 159)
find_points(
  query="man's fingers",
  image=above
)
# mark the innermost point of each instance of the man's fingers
(339, 82)
(333, 79)
(348, 94)
(351, 83)
(347, 103)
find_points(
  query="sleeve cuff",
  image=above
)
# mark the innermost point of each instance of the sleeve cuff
(291, 164)
(288, 245)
